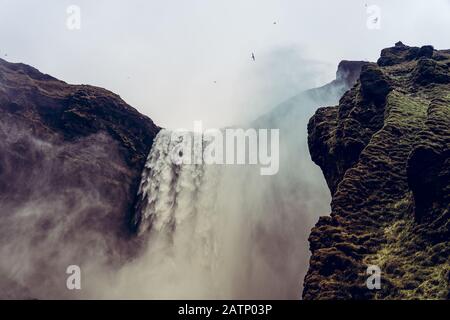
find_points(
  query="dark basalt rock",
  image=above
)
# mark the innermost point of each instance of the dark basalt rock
(384, 152)
(342, 138)
(426, 52)
(430, 71)
(374, 84)
(349, 71)
(398, 54)
(428, 178)
(71, 157)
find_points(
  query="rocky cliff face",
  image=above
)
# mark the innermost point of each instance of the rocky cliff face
(385, 154)
(71, 157)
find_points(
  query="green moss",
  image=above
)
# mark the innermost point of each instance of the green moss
(407, 270)
(375, 206)
(405, 111)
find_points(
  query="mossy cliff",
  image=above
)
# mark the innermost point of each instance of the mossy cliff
(385, 154)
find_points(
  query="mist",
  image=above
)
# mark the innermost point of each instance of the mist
(237, 235)
(230, 232)
(225, 231)
(163, 57)
(54, 212)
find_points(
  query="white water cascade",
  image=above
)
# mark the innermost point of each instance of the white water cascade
(219, 231)
(197, 232)
(225, 231)
(172, 193)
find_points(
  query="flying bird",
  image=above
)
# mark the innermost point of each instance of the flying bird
(253, 56)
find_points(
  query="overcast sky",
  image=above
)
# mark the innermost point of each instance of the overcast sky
(183, 60)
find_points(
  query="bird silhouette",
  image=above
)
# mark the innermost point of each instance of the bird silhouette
(253, 56)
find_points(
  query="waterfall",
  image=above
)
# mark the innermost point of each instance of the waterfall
(226, 231)
(196, 228)
(170, 193)
(177, 207)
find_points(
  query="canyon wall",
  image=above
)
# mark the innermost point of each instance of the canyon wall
(384, 152)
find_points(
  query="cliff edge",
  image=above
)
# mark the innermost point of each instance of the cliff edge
(71, 158)
(385, 154)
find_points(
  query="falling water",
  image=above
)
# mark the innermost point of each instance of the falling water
(225, 231)
(171, 193)
(178, 207)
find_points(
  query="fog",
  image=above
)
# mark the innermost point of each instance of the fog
(57, 212)
(180, 61)
(177, 62)
(226, 231)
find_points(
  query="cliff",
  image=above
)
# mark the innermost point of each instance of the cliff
(303, 104)
(71, 157)
(384, 152)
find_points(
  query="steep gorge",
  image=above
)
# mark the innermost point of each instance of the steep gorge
(73, 157)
